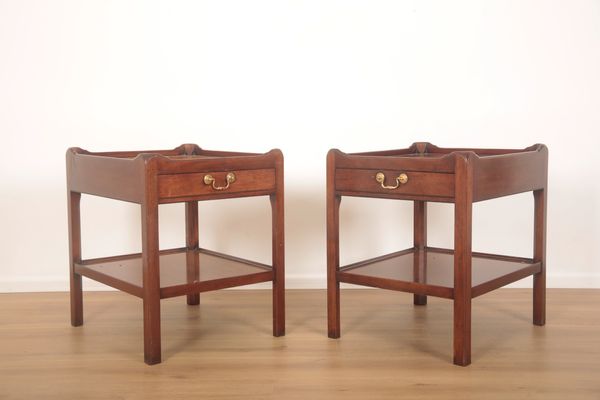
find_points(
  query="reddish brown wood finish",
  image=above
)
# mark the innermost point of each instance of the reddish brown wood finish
(150, 178)
(190, 185)
(463, 205)
(278, 247)
(506, 174)
(333, 250)
(539, 254)
(395, 271)
(192, 256)
(461, 176)
(419, 183)
(420, 243)
(73, 202)
(150, 264)
(117, 179)
(202, 163)
(219, 271)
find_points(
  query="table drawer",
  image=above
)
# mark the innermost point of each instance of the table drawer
(215, 182)
(411, 183)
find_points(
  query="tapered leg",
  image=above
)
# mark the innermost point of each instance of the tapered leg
(73, 202)
(278, 257)
(462, 262)
(151, 281)
(539, 255)
(191, 242)
(420, 242)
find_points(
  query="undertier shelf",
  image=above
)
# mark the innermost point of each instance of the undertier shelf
(217, 271)
(397, 271)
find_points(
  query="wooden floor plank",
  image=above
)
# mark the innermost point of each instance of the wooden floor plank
(223, 349)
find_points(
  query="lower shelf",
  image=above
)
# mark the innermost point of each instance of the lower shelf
(217, 271)
(399, 271)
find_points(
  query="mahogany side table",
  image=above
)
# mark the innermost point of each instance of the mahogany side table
(423, 173)
(185, 174)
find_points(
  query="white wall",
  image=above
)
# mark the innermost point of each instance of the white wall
(303, 76)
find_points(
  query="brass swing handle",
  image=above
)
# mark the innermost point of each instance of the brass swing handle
(400, 180)
(210, 180)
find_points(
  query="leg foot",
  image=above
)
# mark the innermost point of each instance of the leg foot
(333, 311)
(462, 332)
(193, 299)
(419, 300)
(539, 299)
(152, 348)
(278, 310)
(76, 300)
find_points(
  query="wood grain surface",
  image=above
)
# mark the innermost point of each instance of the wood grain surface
(224, 349)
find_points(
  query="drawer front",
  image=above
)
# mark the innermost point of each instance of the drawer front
(417, 183)
(215, 182)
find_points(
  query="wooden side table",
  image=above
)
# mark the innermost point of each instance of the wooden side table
(423, 173)
(185, 174)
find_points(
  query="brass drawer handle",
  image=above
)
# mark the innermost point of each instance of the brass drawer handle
(400, 180)
(210, 180)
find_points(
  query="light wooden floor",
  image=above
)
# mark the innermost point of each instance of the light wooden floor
(389, 349)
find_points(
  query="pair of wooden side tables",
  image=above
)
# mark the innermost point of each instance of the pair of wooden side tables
(420, 173)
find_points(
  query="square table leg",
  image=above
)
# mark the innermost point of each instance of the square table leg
(151, 272)
(191, 243)
(278, 249)
(463, 207)
(333, 264)
(420, 243)
(333, 251)
(539, 255)
(73, 202)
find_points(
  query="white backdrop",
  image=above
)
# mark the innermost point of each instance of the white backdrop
(303, 76)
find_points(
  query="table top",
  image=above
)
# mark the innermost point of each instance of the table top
(428, 150)
(183, 152)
